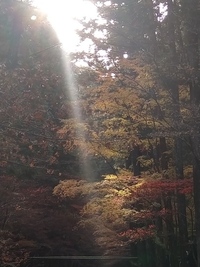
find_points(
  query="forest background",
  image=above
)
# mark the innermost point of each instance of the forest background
(101, 158)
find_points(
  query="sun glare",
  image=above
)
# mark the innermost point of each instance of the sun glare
(63, 16)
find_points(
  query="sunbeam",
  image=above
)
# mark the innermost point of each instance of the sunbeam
(63, 16)
(72, 90)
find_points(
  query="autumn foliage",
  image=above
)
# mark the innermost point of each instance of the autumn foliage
(114, 169)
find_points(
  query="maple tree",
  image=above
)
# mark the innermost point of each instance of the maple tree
(164, 93)
(123, 210)
(117, 114)
(29, 222)
(33, 102)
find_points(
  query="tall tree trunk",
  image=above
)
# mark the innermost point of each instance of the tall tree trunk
(142, 254)
(160, 251)
(159, 246)
(191, 18)
(171, 242)
(171, 238)
(196, 183)
(181, 201)
(163, 158)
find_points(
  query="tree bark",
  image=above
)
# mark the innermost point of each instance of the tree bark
(172, 241)
(191, 12)
(181, 201)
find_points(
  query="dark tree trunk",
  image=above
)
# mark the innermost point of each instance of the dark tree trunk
(181, 202)
(163, 157)
(196, 177)
(191, 19)
(159, 248)
(171, 238)
(151, 255)
(133, 160)
(196, 170)
(181, 205)
(136, 162)
(142, 253)
(160, 251)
